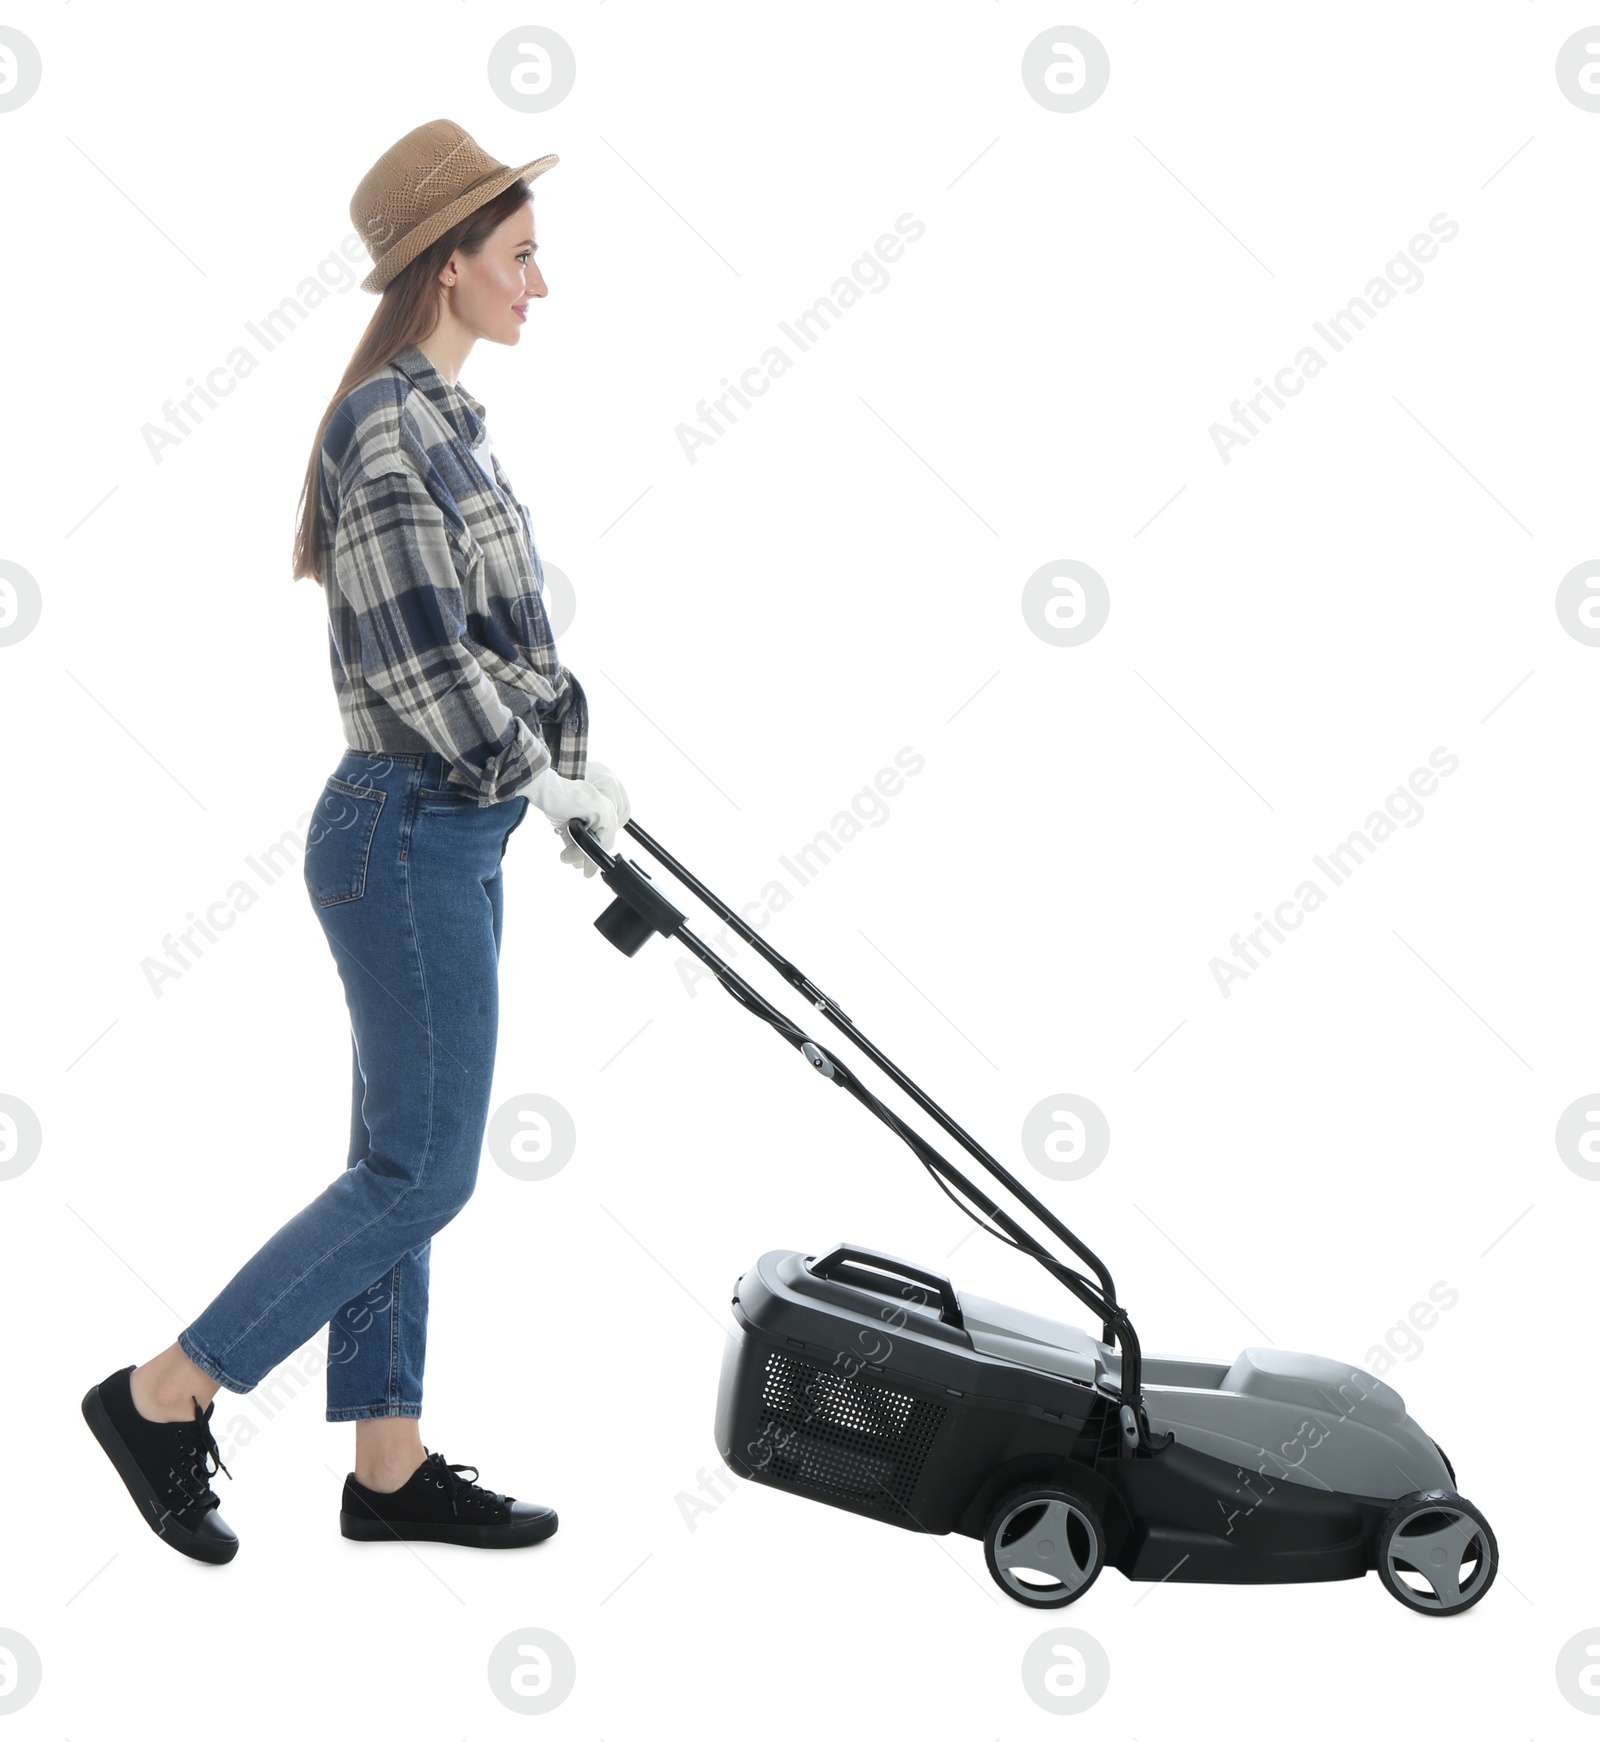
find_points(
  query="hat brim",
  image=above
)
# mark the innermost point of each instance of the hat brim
(432, 228)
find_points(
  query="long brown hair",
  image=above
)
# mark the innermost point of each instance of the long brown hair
(407, 313)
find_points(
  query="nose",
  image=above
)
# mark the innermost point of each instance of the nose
(533, 280)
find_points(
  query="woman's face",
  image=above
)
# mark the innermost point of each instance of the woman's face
(493, 289)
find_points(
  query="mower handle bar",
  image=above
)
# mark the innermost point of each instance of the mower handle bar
(639, 910)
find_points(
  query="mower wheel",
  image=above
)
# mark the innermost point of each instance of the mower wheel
(1045, 1545)
(1436, 1552)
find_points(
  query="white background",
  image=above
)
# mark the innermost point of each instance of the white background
(841, 575)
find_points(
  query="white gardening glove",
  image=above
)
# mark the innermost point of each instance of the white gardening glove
(563, 801)
(601, 776)
(598, 775)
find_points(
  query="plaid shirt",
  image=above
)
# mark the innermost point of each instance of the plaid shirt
(438, 635)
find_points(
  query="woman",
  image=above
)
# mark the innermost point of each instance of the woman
(458, 715)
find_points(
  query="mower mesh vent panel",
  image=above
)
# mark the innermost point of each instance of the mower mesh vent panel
(839, 1435)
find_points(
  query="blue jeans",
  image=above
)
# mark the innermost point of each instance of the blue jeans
(403, 872)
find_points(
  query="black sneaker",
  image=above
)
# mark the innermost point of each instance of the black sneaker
(438, 1504)
(163, 1464)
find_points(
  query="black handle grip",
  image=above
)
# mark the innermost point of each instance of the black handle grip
(638, 909)
(949, 1308)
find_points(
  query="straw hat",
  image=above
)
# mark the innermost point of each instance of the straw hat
(423, 185)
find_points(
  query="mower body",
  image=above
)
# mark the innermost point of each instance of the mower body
(863, 1393)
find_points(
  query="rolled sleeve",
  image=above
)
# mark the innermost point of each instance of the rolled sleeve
(392, 560)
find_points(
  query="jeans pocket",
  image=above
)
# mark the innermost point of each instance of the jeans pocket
(448, 798)
(339, 842)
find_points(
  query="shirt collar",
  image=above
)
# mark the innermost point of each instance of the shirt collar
(464, 413)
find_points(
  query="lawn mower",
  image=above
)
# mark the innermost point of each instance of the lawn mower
(868, 1383)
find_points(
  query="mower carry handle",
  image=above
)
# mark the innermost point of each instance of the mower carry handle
(827, 1268)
